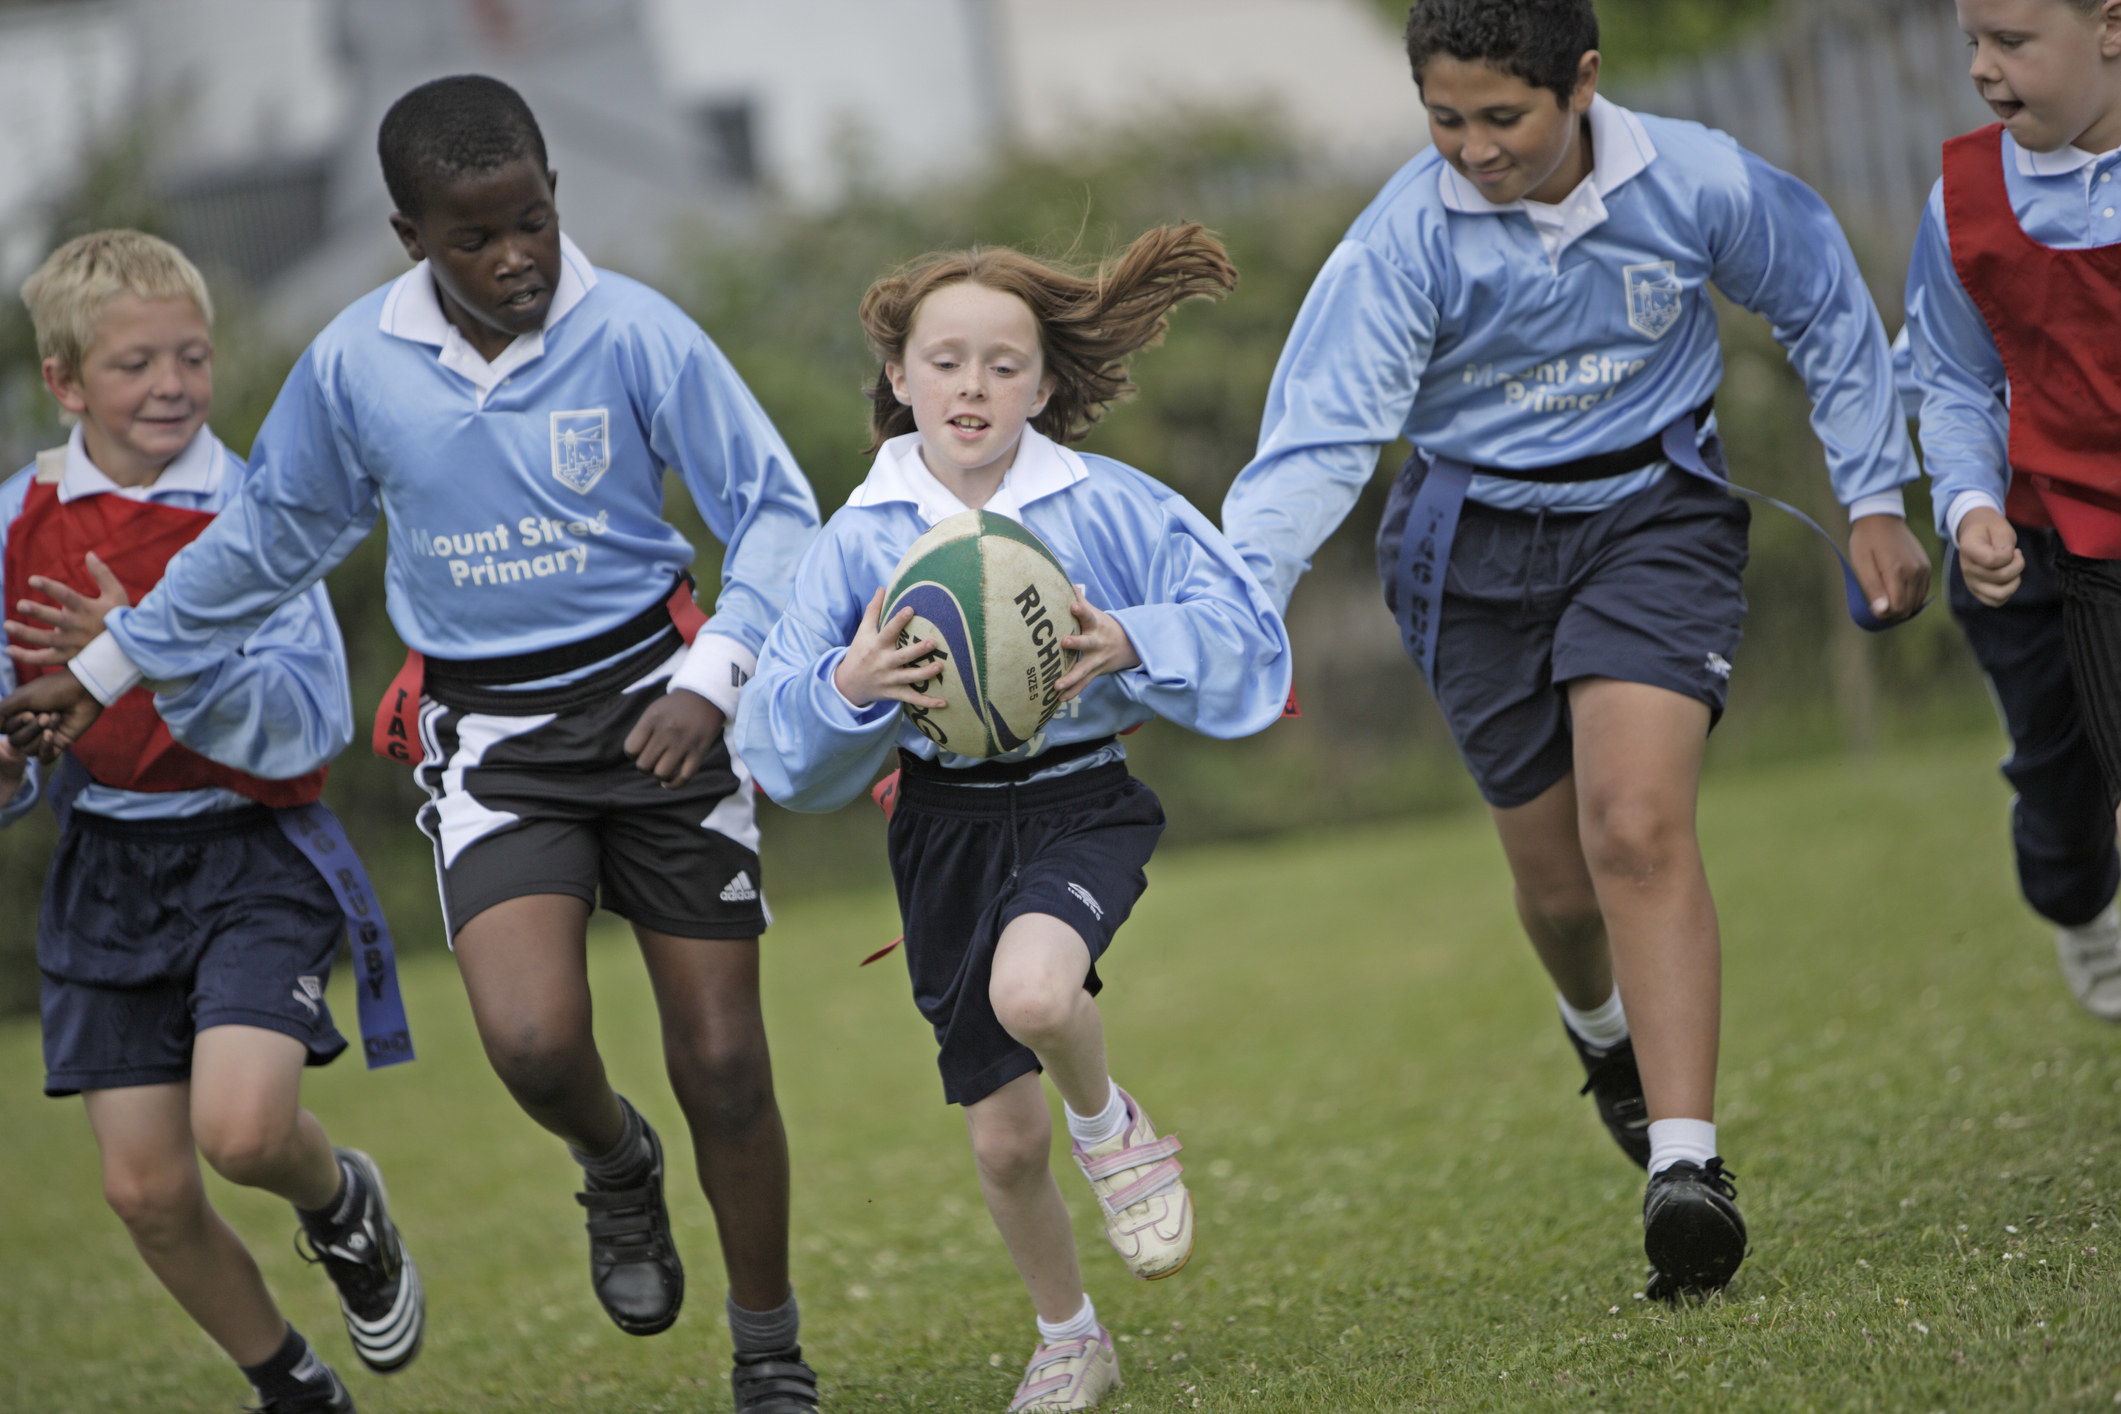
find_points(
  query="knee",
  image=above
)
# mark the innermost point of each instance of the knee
(1011, 1154)
(541, 1070)
(1635, 839)
(156, 1202)
(249, 1151)
(1033, 1008)
(1567, 904)
(724, 1089)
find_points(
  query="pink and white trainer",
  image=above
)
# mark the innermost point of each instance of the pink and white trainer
(1069, 1374)
(1135, 1177)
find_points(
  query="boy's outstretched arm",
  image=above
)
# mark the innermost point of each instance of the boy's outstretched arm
(745, 484)
(1343, 388)
(1780, 253)
(280, 708)
(1214, 654)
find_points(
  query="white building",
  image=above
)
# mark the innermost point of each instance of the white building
(259, 116)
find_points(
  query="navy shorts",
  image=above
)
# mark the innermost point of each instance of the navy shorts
(533, 793)
(970, 860)
(1651, 591)
(153, 931)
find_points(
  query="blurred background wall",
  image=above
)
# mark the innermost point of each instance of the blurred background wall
(762, 162)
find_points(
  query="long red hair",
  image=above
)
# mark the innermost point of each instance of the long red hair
(1089, 322)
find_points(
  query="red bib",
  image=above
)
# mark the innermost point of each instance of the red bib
(129, 747)
(2054, 316)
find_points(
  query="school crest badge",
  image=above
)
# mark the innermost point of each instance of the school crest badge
(1654, 296)
(581, 447)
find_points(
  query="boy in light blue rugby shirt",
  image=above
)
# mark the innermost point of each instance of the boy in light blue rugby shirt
(513, 409)
(1527, 303)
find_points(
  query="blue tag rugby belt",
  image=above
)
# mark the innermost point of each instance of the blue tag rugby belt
(386, 1036)
(1415, 587)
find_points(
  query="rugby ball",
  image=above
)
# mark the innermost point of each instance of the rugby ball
(994, 600)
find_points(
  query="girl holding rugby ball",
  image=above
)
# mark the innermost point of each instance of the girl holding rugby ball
(1014, 871)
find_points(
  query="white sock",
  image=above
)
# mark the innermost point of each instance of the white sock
(1093, 1130)
(2098, 933)
(1681, 1140)
(1604, 1028)
(1080, 1326)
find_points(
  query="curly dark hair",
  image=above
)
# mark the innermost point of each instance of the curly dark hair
(1088, 324)
(1539, 41)
(449, 128)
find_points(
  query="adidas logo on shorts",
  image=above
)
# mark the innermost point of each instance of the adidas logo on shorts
(740, 889)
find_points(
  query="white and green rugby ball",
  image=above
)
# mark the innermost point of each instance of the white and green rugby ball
(995, 601)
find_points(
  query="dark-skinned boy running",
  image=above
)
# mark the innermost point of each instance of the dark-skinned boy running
(513, 409)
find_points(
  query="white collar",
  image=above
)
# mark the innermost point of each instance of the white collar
(197, 471)
(1042, 468)
(2059, 163)
(412, 310)
(1620, 150)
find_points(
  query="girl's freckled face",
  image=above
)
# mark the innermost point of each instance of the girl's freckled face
(974, 376)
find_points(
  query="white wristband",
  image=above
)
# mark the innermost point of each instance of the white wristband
(717, 667)
(104, 670)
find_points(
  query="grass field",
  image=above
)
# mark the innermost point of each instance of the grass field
(1404, 1204)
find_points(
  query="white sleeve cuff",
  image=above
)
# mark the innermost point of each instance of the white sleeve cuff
(1963, 503)
(104, 669)
(717, 667)
(1879, 503)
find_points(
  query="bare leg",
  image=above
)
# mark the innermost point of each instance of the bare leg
(525, 967)
(1037, 990)
(247, 1115)
(151, 1181)
(1556, 899)
(1012, 1144)
(1638, 770)
(714, 1045)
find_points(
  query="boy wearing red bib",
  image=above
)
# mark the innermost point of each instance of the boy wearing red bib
(187, 932)
(2013, 297)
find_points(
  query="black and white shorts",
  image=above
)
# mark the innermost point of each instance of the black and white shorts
(532, 792)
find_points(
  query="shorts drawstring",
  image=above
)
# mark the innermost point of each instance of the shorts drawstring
(1531, 559)
(1015, 849)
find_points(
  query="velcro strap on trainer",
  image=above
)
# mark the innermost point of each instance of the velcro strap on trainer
(1034, 1389)
(627, 1213)
(1159, 1179)
(774, 1379)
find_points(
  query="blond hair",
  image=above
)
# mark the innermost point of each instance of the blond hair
(75, 285)
(1087, 324)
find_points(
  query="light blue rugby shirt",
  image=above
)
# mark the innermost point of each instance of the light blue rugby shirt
(1214, 655)
(277, 709)
(2070, 200)
(1523, 335)
(525, 495)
